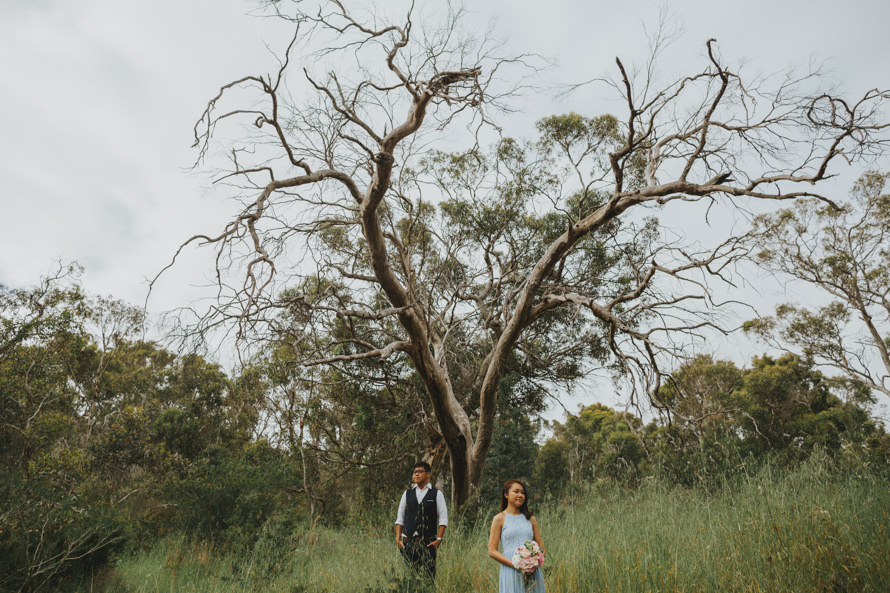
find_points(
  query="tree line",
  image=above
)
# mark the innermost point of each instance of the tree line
(110, 441)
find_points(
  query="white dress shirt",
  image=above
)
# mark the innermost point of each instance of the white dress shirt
(440, 507)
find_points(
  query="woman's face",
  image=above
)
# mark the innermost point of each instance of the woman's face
(516, 495)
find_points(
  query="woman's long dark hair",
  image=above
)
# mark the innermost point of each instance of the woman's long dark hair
(524, 508)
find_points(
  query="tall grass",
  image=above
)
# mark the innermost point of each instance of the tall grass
(817, 528)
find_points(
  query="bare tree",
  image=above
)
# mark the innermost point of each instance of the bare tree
(463, 265)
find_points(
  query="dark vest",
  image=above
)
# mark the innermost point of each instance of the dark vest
(423, 516)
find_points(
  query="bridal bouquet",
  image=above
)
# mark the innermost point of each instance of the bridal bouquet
(527, 558)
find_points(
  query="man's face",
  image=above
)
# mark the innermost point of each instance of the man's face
(421, 476)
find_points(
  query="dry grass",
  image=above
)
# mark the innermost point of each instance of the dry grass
(814, 529)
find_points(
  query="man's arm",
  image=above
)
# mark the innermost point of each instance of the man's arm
(442, 511)
(400, 519)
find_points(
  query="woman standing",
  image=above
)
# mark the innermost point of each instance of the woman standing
(511, 528)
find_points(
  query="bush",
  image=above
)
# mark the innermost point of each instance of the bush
(226, 497)
(50, 535)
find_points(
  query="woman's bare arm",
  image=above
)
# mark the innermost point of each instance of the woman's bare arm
(537, 532)
(494, 538)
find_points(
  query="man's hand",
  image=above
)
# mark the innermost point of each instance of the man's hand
(434, 544)
(400, 543)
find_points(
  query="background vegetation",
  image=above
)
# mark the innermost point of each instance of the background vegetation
(132, 468)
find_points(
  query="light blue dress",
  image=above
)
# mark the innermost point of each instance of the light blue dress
(516, 531)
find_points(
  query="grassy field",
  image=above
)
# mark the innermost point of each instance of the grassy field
(810, 530)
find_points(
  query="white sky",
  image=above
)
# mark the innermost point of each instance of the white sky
(99, 98)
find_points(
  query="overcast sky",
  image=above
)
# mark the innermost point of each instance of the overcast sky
(99, 98)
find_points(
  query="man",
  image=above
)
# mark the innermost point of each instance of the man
(421, 522)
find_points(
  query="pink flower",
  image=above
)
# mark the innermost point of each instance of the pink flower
(527, 558)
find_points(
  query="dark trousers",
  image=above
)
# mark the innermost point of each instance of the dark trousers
(420, 558)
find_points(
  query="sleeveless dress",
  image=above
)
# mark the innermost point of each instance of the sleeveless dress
(516, 531)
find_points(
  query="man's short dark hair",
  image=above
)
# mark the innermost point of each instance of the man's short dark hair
(424, 465)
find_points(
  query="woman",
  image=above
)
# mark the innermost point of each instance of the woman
(511, 528)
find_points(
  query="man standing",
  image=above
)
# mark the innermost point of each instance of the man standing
(421, 522)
